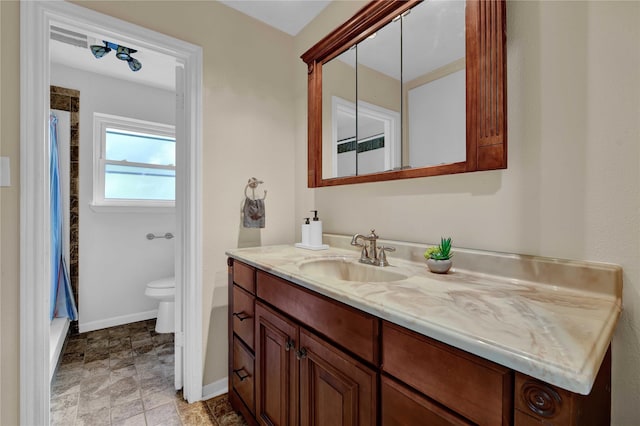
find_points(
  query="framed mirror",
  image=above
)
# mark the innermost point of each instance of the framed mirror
(408, 89)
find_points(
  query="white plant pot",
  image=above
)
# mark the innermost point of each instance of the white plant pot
(439, 266)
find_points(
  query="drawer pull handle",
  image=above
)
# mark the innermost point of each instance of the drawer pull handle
(241, 376)
(289, 344)
(302, 353)
(241, 315)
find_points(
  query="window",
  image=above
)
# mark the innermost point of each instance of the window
(134, 163)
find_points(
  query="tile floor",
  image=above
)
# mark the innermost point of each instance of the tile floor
(124, 376)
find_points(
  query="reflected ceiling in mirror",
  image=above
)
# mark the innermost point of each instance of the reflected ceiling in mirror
(400, 91)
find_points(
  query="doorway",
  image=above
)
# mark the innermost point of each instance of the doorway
(36, 20)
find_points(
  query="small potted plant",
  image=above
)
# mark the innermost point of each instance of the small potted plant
(439, 257)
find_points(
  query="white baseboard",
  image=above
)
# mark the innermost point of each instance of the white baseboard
(111, 322)
(215, 389)
(57, 334)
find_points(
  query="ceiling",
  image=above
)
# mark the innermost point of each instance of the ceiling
(425, 23)
(158, 70)
(289, 16)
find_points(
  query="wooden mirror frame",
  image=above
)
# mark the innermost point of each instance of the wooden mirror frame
(486, 88)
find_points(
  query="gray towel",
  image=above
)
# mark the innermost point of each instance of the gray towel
(253, 213)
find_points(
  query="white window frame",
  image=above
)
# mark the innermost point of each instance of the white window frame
(100, 124)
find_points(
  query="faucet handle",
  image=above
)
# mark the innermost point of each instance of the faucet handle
(382, 256)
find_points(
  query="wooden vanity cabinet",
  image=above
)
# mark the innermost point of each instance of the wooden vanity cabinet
(311, 355)
(241, 317)
(299, 358)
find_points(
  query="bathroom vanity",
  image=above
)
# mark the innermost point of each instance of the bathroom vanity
(502, 339)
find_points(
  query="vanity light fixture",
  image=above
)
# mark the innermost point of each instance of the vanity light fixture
(123, 53)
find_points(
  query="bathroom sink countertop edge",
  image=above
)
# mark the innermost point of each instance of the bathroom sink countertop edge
(555, 333)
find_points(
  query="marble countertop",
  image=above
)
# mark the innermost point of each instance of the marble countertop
(556, 330)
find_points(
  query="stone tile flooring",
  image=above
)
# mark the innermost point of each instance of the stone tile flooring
(124, 376)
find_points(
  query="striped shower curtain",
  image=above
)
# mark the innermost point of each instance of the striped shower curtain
(62, 302)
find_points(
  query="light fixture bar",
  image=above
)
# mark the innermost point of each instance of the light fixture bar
(122, 52)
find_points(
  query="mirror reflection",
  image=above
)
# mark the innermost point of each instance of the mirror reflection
(379, 65)
(339, 116)
(434, 89)
(397, 99)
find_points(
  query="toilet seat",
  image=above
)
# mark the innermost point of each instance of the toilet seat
(168, 282)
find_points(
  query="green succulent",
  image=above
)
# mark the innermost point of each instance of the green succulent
(440, 252)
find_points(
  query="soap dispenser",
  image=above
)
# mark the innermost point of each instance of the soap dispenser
(312, 234)
(306, 232)
(315, 239)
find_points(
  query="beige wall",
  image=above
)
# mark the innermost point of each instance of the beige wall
(572, 189)
(9, 213)
(328, 19)
(248, 130)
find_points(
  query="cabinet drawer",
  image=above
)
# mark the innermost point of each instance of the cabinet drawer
(352, 329)
(479, 390)
(245, 276)
(402, 406)
(243, 381)
(243, 315)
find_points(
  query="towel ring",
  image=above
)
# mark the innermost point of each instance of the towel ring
(253, 184)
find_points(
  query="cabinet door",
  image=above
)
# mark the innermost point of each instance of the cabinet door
(335, 389)
(276, 368)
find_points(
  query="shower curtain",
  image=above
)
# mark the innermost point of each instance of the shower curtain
(62, 302)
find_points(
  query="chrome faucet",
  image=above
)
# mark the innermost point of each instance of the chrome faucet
(369, 253)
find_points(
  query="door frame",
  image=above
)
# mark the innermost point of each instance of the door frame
(35, 19)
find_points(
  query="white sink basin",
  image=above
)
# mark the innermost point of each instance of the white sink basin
(348, 269)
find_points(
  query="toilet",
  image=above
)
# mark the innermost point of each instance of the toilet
(164, 291)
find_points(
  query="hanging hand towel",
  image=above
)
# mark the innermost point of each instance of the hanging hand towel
(253, 213)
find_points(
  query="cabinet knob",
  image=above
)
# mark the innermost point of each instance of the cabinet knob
(241, 315)
(302, 353)
(242, 377)
(289, 344)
